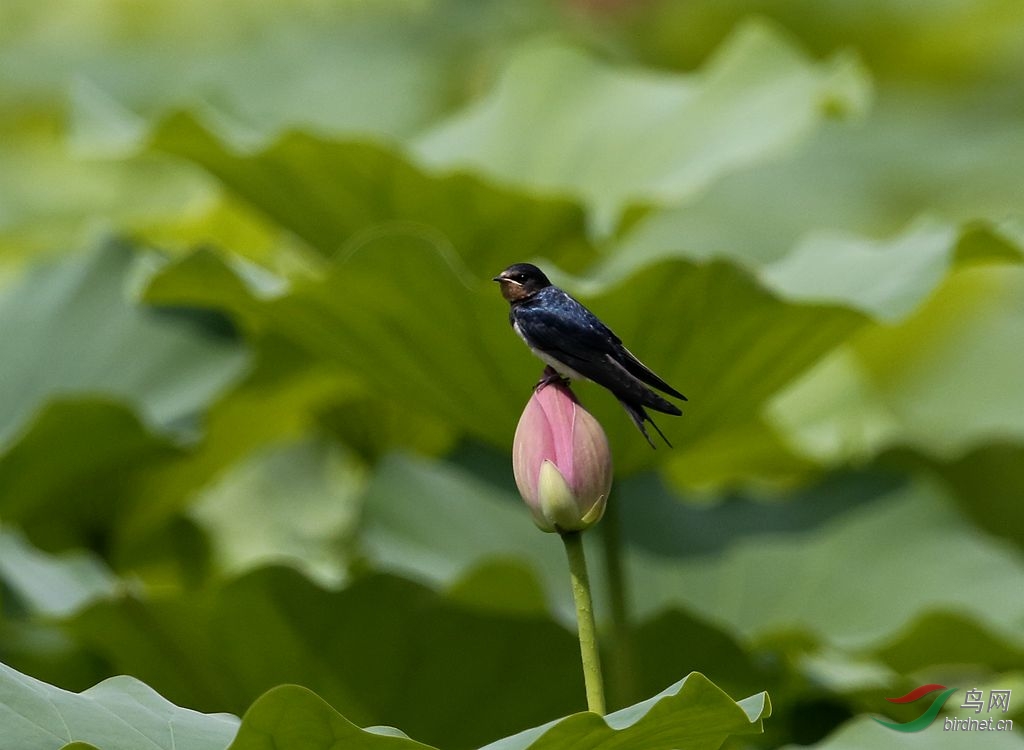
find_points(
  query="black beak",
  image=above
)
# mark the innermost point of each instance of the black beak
(497, 278)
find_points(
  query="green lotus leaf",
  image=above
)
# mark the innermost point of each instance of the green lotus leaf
(341, 196)
(857, 191)
(730, 347)
(55, 201)
(118, 714)
(954, 45)
(943, 381)
(561, 123)
(73, 476)
(758, 97)
(287, 503)
(884, 278)
(51, 585)
(435, 524)
(748, 573)
(276, 402)
(988, 481)
(887, 280)
(290, 716)
(916, 523)
(951, 638)
(81, 89)
(675, 716)
(364, 649)
(122, 713)
(73, 329)
(383, 68)
(693, 713)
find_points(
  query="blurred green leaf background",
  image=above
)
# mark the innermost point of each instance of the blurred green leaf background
(258, 392)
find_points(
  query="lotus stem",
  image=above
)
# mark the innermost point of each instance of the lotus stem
(573, 541)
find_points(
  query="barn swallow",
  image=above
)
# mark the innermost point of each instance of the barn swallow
(571, 340)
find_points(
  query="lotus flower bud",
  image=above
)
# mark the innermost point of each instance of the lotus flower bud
(561, 460)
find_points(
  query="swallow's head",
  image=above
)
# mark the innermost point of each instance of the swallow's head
(521, 281)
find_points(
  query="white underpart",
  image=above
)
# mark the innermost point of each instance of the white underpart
(564, 370)
(560, 367)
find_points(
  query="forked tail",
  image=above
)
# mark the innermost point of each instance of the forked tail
(639, 415)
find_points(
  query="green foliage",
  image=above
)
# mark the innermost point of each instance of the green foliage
(118, 714)
(752, 99)
(258, 390)
(64, 305)
(123, 713)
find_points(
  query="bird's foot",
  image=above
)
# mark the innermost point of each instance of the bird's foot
(551, 375)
